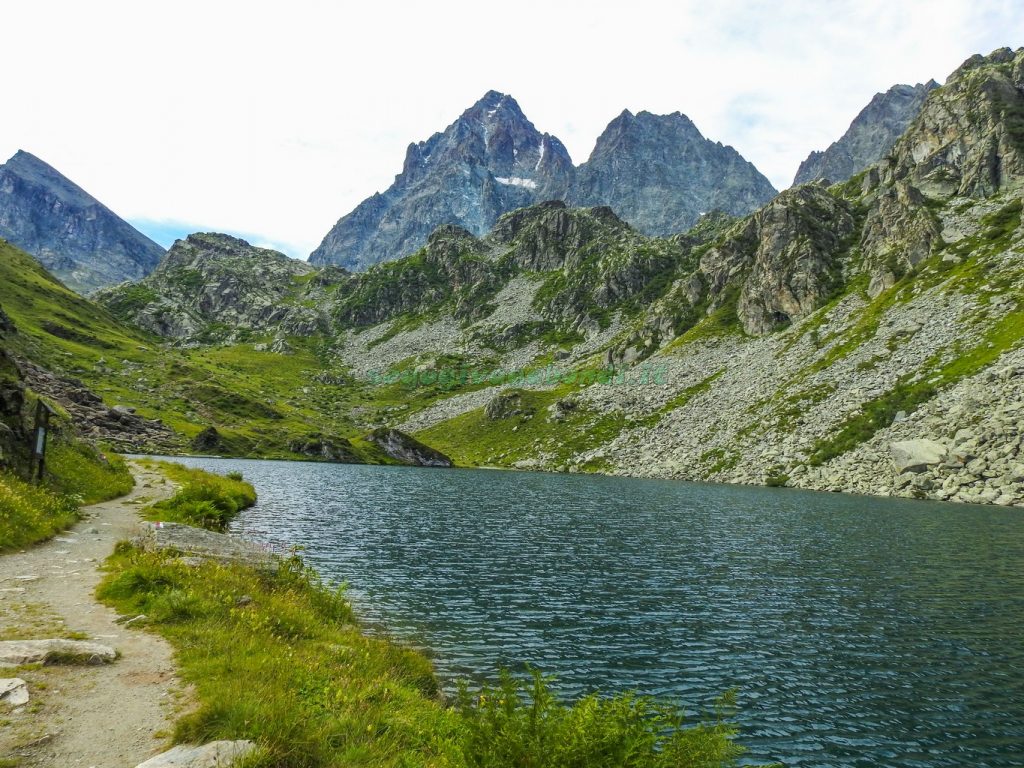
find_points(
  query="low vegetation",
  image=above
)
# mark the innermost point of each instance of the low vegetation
(78, 469)
(204, 499)
(76, 474)
(31, 513)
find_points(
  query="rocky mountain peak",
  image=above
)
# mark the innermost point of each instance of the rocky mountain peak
(67, 230)
(655, 171)
(659, 173)
(870, 136)
(217, 251)
(492, 159)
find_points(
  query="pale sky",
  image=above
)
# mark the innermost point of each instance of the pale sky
(272, 120)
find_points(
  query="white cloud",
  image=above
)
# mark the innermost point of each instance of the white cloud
(277, 119)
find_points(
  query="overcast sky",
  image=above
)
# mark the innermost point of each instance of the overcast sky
(271, 120)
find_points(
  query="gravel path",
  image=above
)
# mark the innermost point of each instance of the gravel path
(114, 716)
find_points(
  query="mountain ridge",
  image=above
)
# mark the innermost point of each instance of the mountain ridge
(492, 160)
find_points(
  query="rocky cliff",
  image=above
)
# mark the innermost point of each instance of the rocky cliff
(870, 136)
(489, 161)
(660, 174)
(656, 172)
(72, 234)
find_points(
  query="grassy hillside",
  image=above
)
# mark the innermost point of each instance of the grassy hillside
(260, 402)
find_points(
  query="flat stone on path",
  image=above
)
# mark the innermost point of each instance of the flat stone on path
(13, 691)
(14, 653)
(216, 754)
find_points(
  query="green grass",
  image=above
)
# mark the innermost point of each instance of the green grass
(204, 499)
(514, 724)
(291, 669)
(30, 513)
(76, 474)
(78, 469)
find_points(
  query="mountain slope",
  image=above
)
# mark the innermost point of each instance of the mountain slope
(660, 174)
(489, 161)
(73, 235)
(870, 136)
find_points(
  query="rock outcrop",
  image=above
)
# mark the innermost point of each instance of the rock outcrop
(661, 175)
(969, 136)
(93, 420)
(71, 233)
(870, 136)
(15, 653)
(216, 287)
(203, 545)
(216, 754)
(406, 449)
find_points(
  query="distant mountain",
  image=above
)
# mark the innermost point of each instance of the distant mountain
(657, 172)
(869, 137)
(489, 161)
(70, 232)
(660, 174)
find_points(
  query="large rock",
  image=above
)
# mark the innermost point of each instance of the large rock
(14, 653)
(407, 450)
(198, 542)
(917, 455)
(216, 754)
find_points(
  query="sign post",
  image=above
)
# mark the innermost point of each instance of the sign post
(43, 412)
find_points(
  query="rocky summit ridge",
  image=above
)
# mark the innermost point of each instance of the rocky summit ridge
(656, 171)
(870, 136)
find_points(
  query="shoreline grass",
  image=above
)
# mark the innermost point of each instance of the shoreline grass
(204, 499)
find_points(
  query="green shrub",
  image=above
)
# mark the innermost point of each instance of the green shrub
(511, 726)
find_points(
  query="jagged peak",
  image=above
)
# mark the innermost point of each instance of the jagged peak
(1002, 55)
(450, 232)
(495, 106)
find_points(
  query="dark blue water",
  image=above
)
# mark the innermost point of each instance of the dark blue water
(859, 631)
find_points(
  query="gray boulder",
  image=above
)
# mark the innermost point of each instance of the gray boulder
(14, 653)
(13, 692)
(916, 455)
